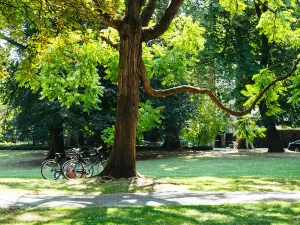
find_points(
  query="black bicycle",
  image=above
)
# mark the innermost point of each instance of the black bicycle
(51, 168)
(84, 164)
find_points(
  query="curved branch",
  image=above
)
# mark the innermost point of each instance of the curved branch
(195, 90)
(148, 12)
(150, 33)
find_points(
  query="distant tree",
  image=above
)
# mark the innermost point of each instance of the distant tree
(205, 123)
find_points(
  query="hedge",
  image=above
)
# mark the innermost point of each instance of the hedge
(24, 147)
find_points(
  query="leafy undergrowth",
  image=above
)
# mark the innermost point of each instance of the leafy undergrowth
(260, 213)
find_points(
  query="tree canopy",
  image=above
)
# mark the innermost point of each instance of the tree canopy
(134, 41)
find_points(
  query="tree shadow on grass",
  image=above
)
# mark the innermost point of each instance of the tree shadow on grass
(263, 213)
(76, 186)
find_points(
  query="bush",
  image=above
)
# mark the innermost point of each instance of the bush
(24, 147)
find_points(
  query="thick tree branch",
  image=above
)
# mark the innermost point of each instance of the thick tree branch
(148, 12)
(264, 4)
(150, 33)
(106, 18)
(109, 21)
(109, 42)
(195, 90)
(13, 42)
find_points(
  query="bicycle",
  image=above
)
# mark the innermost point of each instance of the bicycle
(51, 168)
(79, 166)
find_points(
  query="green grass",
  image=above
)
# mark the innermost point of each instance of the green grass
(260, 213)
(21, 173)
(221, 167)
(21, 164)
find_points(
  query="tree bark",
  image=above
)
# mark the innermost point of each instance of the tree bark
(81, 139)
(272, 135)
(273, 138)
(122, 162)
(56, 142)
(171, 141)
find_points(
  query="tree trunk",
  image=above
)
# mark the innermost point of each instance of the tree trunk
(56, 142)
(122, 162)
(73, 141)
(171, 142)
(81, 139)
(273, 138)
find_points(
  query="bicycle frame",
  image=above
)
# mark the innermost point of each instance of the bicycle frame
(88, 166)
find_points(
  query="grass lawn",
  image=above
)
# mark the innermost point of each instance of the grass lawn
(20, 172)
(261, 213)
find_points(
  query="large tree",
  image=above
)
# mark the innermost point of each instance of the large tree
(131, 20)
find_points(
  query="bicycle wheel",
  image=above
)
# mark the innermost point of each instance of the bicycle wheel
(51, 169)
(68, 169)
(80, 171)
(104, 162)
(97, 168)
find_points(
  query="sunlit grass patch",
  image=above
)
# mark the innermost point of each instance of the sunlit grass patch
(72, 187)
(221, 167)
(260, 213)
(211, 184)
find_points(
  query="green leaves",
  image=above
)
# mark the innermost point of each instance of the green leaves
(148, 118)
(276, 26)
(295, 84)
(271, 97)
(278, 21)
(3, 63)
(234, 6)
(65, 70)
(174, 55)
(248, 130)
(108, 135)
(207, 120)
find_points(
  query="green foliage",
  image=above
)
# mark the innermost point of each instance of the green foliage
(108, 135)
(276, 26)
(174, 55)
(23, 147)
(65, 70)
(61, 57)
(207, 121)
(271, 97)
(234, 6)
(148, 118)
(279, 22)
(3, 62)
(248, 130)
(295, 84)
